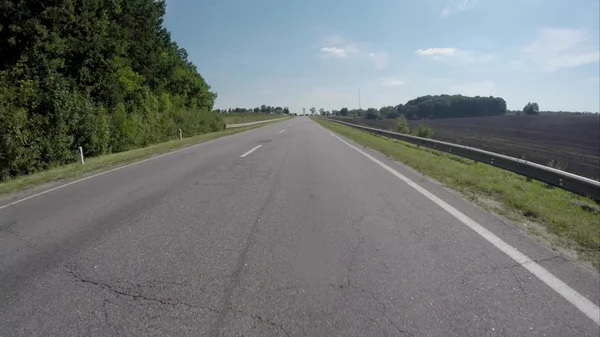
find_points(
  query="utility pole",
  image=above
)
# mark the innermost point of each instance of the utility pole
(359, 106)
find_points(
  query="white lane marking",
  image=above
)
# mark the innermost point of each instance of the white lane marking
(290, 125)
(118, 168)
(281, 131)
(586, 306)
(252, 150)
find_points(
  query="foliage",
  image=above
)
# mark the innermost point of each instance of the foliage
(266, 109)
(100, 74)
(423, 131)
(434, 107)
(402, 125)
(372, 113)
(389, 112)
(452, 106)
(531, 109)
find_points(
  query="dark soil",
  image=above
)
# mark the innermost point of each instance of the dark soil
(569, 143)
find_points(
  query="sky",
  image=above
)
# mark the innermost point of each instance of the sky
(319, 53)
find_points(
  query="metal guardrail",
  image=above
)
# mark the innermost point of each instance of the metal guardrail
(561, 179)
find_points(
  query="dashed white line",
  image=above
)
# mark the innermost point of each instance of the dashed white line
(112, 170)
(281, 131)
(252, 150)
(589, 308)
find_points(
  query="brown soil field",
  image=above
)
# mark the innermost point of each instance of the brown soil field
(569, 143)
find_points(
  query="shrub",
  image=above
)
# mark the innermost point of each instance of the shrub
(402, 125)
(423, 131)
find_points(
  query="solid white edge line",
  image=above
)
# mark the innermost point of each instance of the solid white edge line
(116, 169)
(252, 150)
(589, 308)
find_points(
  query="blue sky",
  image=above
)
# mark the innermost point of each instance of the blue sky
(318, 53)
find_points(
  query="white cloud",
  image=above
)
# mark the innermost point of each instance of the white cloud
(337, 46)
(334, 52)
(455, 6)
(339, 51)
(556, 48)
(436, 51)
(453, 56)
(392, 82)
(380, 60)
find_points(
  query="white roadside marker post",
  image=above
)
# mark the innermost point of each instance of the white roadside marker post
(81, 156)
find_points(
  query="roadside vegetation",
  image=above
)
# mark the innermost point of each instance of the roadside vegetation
(568, 222)
(98, 163)
(103, 75)
(236, 118)
(567, 142)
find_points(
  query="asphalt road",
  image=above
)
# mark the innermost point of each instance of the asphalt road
(239, 125)
(303, 236)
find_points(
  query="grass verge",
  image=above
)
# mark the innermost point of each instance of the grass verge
(248, 117)
(571, 224)
(108, 161)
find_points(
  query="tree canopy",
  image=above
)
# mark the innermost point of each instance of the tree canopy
(531, 109)
(101, 74)
(433, 107)
(267, 109)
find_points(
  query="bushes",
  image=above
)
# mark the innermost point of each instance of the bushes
(43, 124)
(104, 75)
(402, 125)
(423, 131)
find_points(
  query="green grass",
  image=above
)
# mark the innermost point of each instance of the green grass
(571, 224)
(111, 160)
(237, 118)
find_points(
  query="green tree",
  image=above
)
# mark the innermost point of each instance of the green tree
(372, 113)
(389, 112)
(313, 110)
(402, 125)
(531, 109)
(100, 74)
(344, 112)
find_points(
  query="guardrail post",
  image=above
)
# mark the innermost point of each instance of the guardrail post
(180, 135)
(81, 156)
(568, 181)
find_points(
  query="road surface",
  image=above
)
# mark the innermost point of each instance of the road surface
(283, 230)
(239, 125)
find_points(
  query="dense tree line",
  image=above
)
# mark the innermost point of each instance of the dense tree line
(266, 109)
(434, 107)
(101, 74)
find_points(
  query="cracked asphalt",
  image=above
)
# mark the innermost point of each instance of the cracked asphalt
(303, 237)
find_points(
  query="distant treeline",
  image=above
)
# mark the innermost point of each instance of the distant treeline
(447, 106)
(100, 74)
(262, 109)
(433, 107)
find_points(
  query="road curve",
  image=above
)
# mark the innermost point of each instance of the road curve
(283, 230)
